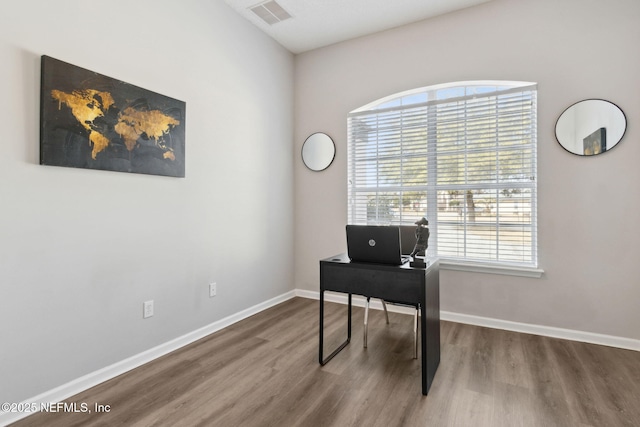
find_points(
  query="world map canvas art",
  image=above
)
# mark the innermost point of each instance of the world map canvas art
(91, 121)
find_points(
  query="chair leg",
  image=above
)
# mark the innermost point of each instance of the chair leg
(386, 313)
(366, 322)
(415, 334)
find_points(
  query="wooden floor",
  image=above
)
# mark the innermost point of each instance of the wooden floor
(263, 371)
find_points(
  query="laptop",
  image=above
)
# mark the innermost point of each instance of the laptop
(374, 243)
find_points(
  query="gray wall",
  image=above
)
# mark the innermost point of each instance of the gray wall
(81, 250)
(587, 207)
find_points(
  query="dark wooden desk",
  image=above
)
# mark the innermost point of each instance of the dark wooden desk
(400, 284)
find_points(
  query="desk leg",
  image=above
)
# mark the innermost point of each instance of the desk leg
(423, 339)
(321, 340)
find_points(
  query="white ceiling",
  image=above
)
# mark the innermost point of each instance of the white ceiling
(317, 23)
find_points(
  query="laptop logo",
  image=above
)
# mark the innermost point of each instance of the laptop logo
(372, 243)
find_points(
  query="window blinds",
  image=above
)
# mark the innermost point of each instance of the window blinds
(467, 163)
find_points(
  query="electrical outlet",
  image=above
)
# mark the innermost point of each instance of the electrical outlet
(147, 309)
(213, 289)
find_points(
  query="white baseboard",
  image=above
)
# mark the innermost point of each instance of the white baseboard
(547, 331)
(527, 328)
(85, 382)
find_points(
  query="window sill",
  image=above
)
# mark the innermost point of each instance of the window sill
(492, 269)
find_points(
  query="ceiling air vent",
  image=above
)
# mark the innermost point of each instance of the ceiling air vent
(270, 12)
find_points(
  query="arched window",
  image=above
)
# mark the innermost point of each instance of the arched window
(463, 155)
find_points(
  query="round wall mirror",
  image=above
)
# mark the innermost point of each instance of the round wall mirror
(590, 127)
(318, 151)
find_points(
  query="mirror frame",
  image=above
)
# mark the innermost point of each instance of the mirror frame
(564, 143)
(311, 143)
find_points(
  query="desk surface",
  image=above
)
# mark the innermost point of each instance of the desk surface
(394, 283)
(343, 258)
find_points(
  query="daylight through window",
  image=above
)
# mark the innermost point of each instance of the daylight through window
(461, 154)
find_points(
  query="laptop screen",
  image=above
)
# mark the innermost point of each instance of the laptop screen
(407, 238)
(373, 243)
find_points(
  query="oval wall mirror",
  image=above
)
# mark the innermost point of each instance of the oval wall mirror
(590, 127)
(318, 151)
